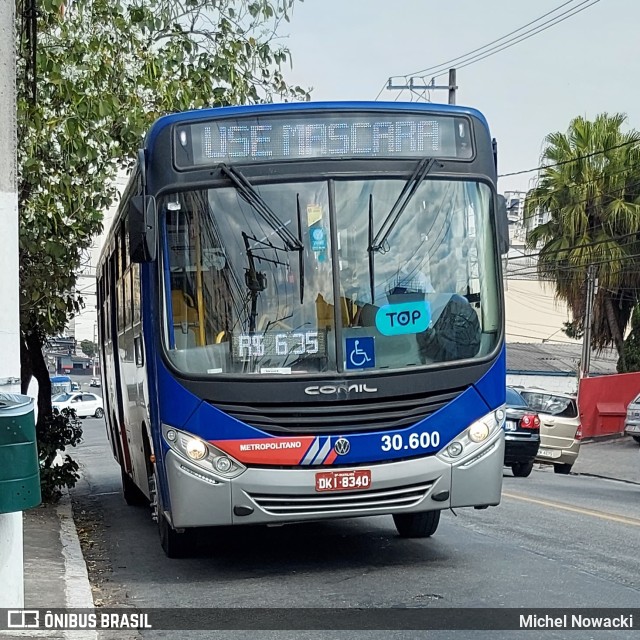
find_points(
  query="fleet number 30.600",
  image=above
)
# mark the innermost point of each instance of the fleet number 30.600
(400, 442)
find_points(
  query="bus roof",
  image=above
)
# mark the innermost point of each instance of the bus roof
(60, 379)
(285, 107)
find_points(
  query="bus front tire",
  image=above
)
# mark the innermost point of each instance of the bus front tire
(416, 525)
(174, 544)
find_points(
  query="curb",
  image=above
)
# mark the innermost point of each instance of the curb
(595, 475)
(607, 437)
(78, 593)
(77, 588)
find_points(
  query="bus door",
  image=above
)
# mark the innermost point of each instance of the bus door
(116, 264)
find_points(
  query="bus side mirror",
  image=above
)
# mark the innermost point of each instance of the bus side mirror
(502, 225)
(142, 223)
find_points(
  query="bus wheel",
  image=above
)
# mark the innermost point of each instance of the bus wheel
(416, 525)
(174, 544)
(132, 495)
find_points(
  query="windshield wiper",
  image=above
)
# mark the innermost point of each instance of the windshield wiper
(408, 191)
(372, 282)
(248, 192)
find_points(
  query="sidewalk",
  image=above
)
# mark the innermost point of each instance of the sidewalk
(618, 459)
(56, 574)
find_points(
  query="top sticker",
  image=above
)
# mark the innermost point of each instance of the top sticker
(403, 318)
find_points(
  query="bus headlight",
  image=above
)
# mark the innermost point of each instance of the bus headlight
(473, 437)
(478, 431)
(454, 449)
(223, 464)
(201, 453)
(196, 449)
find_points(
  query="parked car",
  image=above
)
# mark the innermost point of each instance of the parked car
(560, 428)
(84, 404)
(95, 382)
(632, 421)
(522, 435)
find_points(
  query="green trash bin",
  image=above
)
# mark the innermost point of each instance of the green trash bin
(19, 468)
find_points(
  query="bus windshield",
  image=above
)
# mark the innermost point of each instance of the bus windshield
(239, 300)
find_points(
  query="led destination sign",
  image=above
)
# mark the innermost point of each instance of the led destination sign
(322, 136)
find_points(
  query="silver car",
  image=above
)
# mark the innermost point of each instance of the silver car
(632, 421)
(560, 428)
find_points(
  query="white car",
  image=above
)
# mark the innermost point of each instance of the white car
(84, 404)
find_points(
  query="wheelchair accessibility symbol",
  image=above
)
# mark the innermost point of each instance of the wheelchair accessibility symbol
(360, 353)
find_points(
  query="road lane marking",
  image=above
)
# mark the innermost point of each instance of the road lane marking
(634, 522)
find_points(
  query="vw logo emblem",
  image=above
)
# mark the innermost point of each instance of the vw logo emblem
(342, 446)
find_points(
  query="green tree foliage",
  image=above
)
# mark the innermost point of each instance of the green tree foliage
(631, 351)
(591, 190)
(101, 73)
(88, 347)
(55, 433)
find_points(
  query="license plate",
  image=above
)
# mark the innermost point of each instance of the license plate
(510, 425)
(343, 480)
(545, 453)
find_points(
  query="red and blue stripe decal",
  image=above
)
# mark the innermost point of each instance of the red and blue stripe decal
(297, 451)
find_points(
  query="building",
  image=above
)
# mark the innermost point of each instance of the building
(553, 367)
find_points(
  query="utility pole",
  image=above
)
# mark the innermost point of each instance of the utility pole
(588, 320)
(11, 537)
(432, 86)
(95, 346)
(452, 86)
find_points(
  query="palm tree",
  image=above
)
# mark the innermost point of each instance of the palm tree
(590, 190)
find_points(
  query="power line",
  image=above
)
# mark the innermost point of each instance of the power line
(586, 245)
(465, 55)
(605, 194)
(576, 159)
(533, 270)
(520, 335)
(384, 86)
(467, 59)
(577, 268)
(520, 39)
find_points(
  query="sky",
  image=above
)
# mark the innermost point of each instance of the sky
(582, 66)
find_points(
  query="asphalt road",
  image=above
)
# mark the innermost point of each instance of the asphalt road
(555, 541)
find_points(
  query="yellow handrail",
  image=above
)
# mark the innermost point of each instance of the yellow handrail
(199, 283)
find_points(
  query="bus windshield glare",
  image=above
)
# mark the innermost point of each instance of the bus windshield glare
(240, 300)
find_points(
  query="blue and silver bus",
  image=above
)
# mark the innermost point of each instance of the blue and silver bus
(301, 317)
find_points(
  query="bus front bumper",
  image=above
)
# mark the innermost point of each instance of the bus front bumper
(278, 496)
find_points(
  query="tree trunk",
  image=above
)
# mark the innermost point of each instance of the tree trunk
(26, 371)
(615, 331)
(41, 373)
